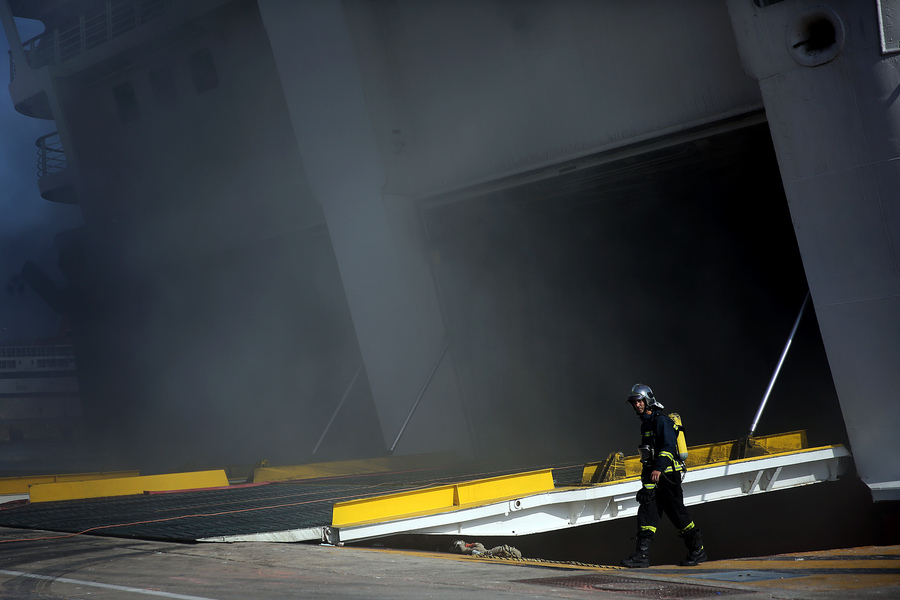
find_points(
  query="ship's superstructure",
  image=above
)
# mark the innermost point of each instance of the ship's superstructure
(465, 225)
(39, 395)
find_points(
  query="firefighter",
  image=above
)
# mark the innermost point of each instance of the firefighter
(661, 482)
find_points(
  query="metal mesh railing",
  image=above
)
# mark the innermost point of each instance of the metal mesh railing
(89, 30)
(51, 157)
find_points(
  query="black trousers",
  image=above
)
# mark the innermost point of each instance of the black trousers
(668, 500)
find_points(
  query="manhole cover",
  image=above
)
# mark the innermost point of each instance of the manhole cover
(642, 588)
(746, 576)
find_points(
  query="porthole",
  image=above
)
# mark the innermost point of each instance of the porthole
(815, 36)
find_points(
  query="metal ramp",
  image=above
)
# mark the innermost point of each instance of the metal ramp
(528, 503)
(345, 502)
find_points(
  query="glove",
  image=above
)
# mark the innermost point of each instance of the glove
(645, 496)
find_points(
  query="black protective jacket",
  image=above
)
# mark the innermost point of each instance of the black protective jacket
(658, 432)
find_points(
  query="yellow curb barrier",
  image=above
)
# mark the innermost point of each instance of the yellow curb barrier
(440, 498)
(698, 456)
(19, 485)
(352, 467)
(126, 486)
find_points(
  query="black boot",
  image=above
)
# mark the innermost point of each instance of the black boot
(641, 556)
(696, 553)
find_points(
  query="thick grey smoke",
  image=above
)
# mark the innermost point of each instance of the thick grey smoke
(209, 319)
(214, 325)
(680, 271)
(27, 221)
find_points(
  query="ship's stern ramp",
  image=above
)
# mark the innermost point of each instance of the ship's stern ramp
(526, 503)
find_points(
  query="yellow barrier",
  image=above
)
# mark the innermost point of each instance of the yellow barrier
(383, 508)
(504, 486)
(19, 485)
(126, 486)
(760, 446)
(708, 454)
(440, 498)
(352, 467)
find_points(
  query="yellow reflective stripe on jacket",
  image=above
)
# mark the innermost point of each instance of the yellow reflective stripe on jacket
(675, 466)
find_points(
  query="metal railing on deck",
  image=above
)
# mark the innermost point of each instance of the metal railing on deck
(89, 30)
(51, 157)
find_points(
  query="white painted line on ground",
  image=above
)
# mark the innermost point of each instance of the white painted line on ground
(108, 586)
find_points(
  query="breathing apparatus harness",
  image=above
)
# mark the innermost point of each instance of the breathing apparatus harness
(645, 394)
(648, 452)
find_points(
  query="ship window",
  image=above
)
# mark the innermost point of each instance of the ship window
(203, 70)
(163, 86)
(126, 102)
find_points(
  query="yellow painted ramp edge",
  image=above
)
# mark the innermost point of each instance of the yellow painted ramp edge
(19, 485)
(352, 467)
(710, 454)
(440, 498)
(126, 486)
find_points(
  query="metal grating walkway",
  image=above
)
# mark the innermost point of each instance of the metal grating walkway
(240, 510)
(473, 499)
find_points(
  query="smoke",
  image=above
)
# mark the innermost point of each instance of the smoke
(210, 322)
(214, 326)
(680, 272)
(29, 222)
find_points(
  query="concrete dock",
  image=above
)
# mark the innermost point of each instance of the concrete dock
(41, 564)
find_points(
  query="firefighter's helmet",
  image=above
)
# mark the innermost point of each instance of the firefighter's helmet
(643, 392)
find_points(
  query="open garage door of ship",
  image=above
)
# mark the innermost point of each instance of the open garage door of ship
(674, 265)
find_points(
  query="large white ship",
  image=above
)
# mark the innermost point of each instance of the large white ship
(413, 226)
